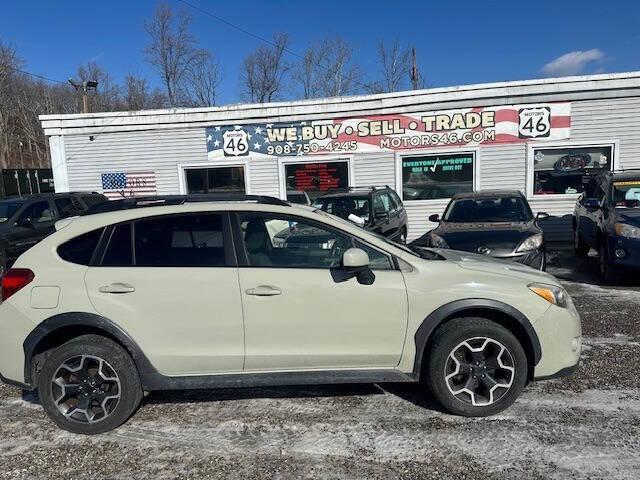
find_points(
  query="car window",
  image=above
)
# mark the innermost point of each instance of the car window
(67, 207)
(626, 193)
(80, 249)
(8, 209)
(388, 200)
(379, 205)
(396, 198)
(180, 241)
(344, 206)
(38, 212)
(292, 243)
(119, 252)
(91, 200)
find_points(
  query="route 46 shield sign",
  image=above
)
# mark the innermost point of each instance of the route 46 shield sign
(534, 122)
(235, 143)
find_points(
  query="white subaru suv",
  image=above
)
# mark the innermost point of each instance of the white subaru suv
(260, 292)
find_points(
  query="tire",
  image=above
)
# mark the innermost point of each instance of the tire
(402, 239)
(605, 267)
(114, 396)
(3, 263)
(477, 333)
(580, 248)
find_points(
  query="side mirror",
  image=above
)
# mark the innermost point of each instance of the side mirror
(435, 218)
(359, 221)
(355, 258)
(542, 216)
(355, 263)
(25, 223)
(592, 203)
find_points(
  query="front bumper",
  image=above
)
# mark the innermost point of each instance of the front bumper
(560, 333)
(532, 258)
(631, 249)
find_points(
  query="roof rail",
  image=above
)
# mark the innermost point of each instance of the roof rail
(160, 200)
(371, 188)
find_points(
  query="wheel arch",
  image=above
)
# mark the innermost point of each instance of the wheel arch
(61, 328)
(501, 313)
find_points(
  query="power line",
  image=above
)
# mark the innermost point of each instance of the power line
(262, 39)
(41, 77)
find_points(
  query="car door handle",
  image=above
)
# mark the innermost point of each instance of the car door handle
(264, 291)
(117, 288)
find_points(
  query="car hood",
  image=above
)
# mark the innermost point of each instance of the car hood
(629, 215)
(484, 263)
(498, 237)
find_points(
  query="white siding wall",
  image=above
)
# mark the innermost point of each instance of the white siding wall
(500, 166)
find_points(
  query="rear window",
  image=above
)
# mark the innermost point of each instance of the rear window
(91, 200)
(80, 249)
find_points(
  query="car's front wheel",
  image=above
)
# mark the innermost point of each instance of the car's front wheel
(476, 367)
(89, 385)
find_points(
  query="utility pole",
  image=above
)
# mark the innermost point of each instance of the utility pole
(415, 76)
(84, 88)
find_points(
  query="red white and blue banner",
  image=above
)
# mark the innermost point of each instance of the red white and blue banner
(446, 128)
(116, 185)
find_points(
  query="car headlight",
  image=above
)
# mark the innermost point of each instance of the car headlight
(553, 294)
(531, 243)
(626, 230)
(437, 241)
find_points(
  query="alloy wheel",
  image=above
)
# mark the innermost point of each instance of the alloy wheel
(479, 371)
(86, 389)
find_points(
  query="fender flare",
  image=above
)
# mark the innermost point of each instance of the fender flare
(439, 315)
(83, 319)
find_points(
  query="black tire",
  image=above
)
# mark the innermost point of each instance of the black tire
(580, 248)
(85, 352)
(605, 267)
(3, 263)
(448, 339)
(402, 239)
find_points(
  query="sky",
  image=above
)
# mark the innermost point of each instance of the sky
(458, 43)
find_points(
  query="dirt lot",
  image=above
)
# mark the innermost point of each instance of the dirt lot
(587, 426)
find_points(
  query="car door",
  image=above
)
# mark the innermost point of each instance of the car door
(381, 215)
(593, 216)
(297, 315)
(33, 223)
(174, 290)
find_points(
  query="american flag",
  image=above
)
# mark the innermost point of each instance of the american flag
(133, 184)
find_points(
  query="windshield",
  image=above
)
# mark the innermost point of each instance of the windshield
(626, 193)
(7, 209)
(488, 209)
(344, 206)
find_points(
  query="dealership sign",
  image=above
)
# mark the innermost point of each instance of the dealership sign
(445, 128)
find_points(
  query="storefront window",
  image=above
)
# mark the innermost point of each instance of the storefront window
(315, 178)
(563, 170)
(215, 180)
(436, 176)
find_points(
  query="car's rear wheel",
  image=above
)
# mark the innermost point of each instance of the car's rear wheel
(580, 248)
(476, 367)
(89, 385)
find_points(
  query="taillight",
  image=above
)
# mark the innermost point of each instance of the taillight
(14, 280)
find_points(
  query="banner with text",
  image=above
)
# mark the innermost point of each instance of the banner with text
(446, 128)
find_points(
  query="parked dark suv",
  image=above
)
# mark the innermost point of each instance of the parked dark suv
(24, 221)
(607, 219)
(379, 207)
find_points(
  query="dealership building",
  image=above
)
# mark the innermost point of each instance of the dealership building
(541, 137)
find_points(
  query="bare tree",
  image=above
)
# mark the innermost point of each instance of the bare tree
(263, 71)
(395, 62)
(107, 97)
(173, 50)
(327, 69)
(203, 80)
(137, 95)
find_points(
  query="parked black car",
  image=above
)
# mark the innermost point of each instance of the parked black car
(24, 221)
(498, 223)
(607, 219)
(379, 207)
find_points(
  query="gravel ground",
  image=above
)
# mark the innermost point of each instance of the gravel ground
(585, 426)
